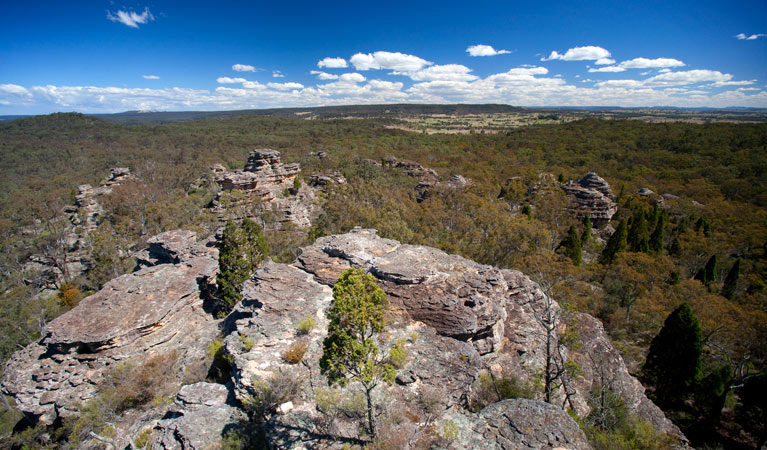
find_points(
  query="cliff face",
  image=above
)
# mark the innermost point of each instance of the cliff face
(457, 319)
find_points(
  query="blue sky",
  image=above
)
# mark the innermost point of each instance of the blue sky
(92, 56)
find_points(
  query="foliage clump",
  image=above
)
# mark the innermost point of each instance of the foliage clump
(242, 251)
(350, 353)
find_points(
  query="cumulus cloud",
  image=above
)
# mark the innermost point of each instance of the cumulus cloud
(227, 80)
(332, 63)
(586, 53)
(743, 36)
(277, 74)
(131, 18)
(607, 69)
(484, 50)
(352, 77)
(604, 61)
(13, 89)
(285, 86)
(447, 72)
(396, 61)
(646, 63)
(244, 68)
(324, 75)
(150, 77)
(689, 77)
(380, 85)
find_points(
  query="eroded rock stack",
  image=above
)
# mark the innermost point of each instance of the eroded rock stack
(428, 179)
(591, 196)
(265, 185)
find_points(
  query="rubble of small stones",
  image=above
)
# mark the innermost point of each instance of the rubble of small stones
(591, 196)
(263, 188)
(156, 310)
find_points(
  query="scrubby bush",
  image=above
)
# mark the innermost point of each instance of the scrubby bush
(305, 326)
(488, 389)
(268, 393)
(295, 353)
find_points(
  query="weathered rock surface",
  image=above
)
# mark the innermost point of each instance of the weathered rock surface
(72, 229)
(321, 180)
(457, 318)
(156, 310)
(260, 190)
(591, 196)
(198, 419)
(428, 179)
(521, 424)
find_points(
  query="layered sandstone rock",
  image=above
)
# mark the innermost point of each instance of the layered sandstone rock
(263, 188)
(157, 310)
(592, 197)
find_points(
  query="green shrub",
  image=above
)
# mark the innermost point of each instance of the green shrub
(305, 326)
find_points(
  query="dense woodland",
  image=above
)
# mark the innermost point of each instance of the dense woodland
(683, 252)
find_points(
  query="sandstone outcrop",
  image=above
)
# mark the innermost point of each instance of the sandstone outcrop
(428, 179)
(264, 188)
(198, 419)
(321, 180)
(520, 423)
(157, 310)
(457, 318)
(454, 317)
(591, 196)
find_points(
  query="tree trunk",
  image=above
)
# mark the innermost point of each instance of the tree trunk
(371, 416)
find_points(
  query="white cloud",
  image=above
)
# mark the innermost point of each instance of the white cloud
(285, 86)
(252, 85)
(484, 50)
(227, 80)
(607, 69)
(689, 77)
(324, 75)
(277, 74)
(352, 77)
(131, 18)
(13, 89)
(645, 63)
(150, 77)
(604, 61)
(380, 85)
(586, 53)
(332, 63)
(396, 61)
(447, 72)
(243, 68)
(665, 70)
(743, 36)
(620, 84)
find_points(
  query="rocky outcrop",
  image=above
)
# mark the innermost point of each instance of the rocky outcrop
(198, 419)
(592, 197)
(520, 424)
(428, 179)
(263, 188)
(457, 318)
(322, 180)
(157, 310)
(454, 317)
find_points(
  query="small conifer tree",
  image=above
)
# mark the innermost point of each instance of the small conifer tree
(658, 235)
(586, 229)
(350, 353)
(731, 281)
(242, 251)
(615, 245)
(638, 240)
(573, 248)
(673, 364)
